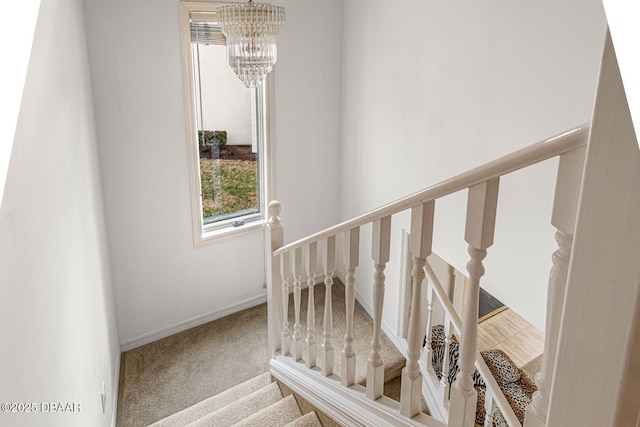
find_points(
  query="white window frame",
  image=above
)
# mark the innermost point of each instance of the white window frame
(205, 234)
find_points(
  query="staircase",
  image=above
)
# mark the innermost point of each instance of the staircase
(257, 402)
(310, 359)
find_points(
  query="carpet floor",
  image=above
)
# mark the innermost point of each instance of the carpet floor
(169, 375)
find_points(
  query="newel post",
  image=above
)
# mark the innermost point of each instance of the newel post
(275, 238)
(563, 218)
(481, 217)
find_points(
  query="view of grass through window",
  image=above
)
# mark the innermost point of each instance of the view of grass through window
(228, 186)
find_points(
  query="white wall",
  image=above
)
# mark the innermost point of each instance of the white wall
(162, 283)
(434, 88)
(57, 322)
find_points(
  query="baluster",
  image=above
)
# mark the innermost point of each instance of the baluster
(427, 353)
(489, 407)
(311, 265)
(274, 233)
(352, 254)
(329, 265)
(563, 218)
(380, 254)
(420, 245)
(481, 216)
(296, 342)
(445, 385)
(285, 271)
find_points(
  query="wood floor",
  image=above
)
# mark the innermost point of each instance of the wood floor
(512, 334)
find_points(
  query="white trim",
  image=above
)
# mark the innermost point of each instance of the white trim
(191, 323)
(206, 234)
(431, 393)
(346, 405)
(116, 389)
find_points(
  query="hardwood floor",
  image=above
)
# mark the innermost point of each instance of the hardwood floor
(512, 334)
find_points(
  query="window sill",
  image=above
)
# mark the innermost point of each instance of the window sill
(211, 236)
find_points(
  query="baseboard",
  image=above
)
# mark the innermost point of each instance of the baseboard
(116, 390)
(158, 334)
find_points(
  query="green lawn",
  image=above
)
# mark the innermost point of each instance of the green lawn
(228, 186)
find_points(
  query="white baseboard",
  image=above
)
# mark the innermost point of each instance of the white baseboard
(191, 323)
(114, 397)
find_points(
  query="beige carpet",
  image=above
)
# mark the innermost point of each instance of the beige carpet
(245, 406)
(169, 375)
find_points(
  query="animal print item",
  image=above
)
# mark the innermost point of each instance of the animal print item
(513, 381)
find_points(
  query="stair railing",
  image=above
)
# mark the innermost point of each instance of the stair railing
(482, 184)
(494, 397)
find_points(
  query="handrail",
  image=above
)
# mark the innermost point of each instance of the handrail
(496, 392)
(444, 299)
(535, 153)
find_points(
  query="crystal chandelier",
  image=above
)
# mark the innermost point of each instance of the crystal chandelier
(251, 31)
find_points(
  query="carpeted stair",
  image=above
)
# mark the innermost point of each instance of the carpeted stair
(257, 402)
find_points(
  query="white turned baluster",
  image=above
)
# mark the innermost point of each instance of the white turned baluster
(445, 387)
(297, 339)
(420, 246)
(564, 219)
(329, 265)
(380, 254)
(426, 352)
(311, 266)
(489, 407)
(352, 254)
(481, 217)
(285, 272)
(274, 234)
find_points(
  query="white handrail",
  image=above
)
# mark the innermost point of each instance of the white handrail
(444, 299)
(496, 393)
(535, 153)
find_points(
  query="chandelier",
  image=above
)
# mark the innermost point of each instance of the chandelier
(251, 31)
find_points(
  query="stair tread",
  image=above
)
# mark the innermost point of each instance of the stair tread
(309, 419)
(241, 408)
(214, 403)
(280, 413)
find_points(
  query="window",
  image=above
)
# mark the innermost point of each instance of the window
(227, 131)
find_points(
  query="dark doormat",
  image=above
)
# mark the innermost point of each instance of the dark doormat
(489, 306)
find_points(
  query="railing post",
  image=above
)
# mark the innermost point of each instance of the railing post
(329, 265)
(352, 254)
(445, 379)
(311, 266)
(275, 238)
(380, 253)
(420, 245)
(285, 272)
(563, 217)
(481, 216)
(426, 352)
(296, 339)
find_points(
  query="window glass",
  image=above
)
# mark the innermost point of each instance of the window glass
(229, 121)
